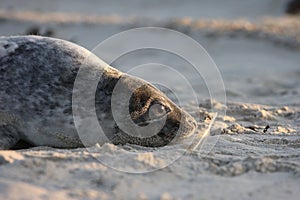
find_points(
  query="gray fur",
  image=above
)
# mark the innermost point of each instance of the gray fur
(37, 75)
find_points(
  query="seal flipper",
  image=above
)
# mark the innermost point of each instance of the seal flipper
(9, 131)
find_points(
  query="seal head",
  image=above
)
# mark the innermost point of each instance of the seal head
(150, 118)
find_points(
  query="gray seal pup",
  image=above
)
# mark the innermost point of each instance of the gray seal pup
(37, 76)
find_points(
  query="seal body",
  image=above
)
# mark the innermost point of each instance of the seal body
(37, 76)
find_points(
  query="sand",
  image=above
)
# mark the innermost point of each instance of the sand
(246, 163)
(257, 154)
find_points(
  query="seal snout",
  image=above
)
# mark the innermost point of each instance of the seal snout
(188, 125)
(191, 121)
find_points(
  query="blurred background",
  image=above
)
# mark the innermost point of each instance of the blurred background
(255, 44)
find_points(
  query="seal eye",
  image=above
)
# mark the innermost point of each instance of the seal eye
(157, 111)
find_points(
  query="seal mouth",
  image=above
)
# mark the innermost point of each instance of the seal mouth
(189, 134)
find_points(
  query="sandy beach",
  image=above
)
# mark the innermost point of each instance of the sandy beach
(253, 147)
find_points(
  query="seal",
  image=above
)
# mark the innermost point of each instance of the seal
(37, 76)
